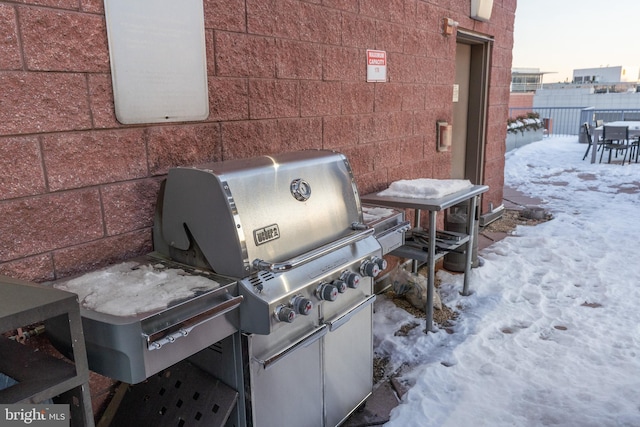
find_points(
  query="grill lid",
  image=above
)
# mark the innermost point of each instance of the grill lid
(271, 208)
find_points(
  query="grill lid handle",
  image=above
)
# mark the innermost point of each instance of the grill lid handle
(277, 267)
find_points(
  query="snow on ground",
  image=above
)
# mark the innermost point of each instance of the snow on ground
(551, 334)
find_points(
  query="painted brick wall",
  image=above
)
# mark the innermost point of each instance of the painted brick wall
(77, 189)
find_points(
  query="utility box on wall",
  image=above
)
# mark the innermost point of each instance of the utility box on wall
(158, 60)
(444, 133)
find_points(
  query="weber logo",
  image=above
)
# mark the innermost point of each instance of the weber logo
(34, 415)
(266, 234)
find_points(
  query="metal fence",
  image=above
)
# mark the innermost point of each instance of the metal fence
(556, 120)
(590, 115)
(569, 120)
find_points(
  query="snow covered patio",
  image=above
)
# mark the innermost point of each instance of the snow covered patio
(550, 334)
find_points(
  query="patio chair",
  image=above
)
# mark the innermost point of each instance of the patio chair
(588, 130)
(615, 138)
(634, 148)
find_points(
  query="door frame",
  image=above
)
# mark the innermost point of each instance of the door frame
(481, 47)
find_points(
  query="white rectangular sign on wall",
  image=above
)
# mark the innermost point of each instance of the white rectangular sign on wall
(376, 65)
(158, 60)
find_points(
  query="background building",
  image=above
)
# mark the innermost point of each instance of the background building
(526, 79)
(617, 74)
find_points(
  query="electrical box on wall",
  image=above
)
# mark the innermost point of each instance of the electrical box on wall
(449, 26)
(444, 132)
(158, 60)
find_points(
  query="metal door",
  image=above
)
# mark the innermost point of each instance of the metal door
(470, 109)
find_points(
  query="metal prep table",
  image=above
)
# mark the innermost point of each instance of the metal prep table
(40, 376)
(433, 206)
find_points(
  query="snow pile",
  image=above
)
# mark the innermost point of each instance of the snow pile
(425, 188)
(131, 288)
(375, 213)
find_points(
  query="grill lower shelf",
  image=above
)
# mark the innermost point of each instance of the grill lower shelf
(182, 395)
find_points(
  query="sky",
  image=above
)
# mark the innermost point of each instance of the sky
(550, 335)
(562, 35)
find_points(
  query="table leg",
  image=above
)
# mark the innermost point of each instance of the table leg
(431, 275)
(594, 146)
(471, 217)
(416, 222)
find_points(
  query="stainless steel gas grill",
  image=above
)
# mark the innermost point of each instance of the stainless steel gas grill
(286, 233)
(289, 228)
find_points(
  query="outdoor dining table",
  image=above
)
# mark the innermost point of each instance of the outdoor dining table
(634, 132)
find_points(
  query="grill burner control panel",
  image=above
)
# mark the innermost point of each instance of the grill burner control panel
(313, 291)
(327, 289)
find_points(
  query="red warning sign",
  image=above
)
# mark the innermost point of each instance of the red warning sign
(376, 57)
(376, 66)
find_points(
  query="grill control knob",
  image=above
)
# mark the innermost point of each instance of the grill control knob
(285, 314)
(382, 263)
(351, 279)
(340, 285)
(301, 305)
(369, 268)
(327, 292)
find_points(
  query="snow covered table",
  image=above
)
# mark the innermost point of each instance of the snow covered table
(433, 206)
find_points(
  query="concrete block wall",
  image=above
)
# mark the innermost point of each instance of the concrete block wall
(78, 189)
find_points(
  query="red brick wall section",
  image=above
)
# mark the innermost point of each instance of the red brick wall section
(523, 102)
(77, 188)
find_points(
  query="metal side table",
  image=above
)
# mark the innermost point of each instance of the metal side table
(429, 256)
(39, 376)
